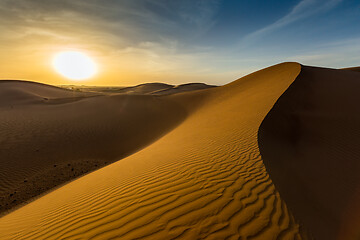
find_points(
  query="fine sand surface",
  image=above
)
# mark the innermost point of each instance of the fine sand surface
(203, 179)
(310, 143)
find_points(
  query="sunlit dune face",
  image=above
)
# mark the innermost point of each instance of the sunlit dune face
(74, 65)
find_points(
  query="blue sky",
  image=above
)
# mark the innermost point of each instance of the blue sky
(214, 41)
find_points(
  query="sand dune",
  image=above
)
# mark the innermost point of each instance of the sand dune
(310, 144)
(24, 92)
(182, 88)
(51, 135)
(204, 179)
(146, 88)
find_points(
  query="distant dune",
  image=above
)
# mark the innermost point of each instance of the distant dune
(50, 135)
(189, 160)
(182, 88)
(146, 88)
(23, 92)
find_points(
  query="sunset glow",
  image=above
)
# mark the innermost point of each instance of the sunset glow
(74, 65)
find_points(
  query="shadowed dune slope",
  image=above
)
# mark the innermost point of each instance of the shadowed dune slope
(310, 145)
(44, 143)
(202, 180)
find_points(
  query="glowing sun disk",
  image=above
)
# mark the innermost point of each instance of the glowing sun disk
(74, 65)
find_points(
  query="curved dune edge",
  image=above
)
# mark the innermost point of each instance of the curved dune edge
(204, 179)
(310, 145)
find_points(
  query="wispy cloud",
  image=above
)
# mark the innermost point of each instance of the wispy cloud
(106, 24)
(131, 21)
(343, 53)
(304, 9)
(150, 35)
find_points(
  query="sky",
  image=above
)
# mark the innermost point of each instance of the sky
(175, 41)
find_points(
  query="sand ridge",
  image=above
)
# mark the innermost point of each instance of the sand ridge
(204, 179)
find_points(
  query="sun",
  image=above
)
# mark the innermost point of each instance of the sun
(74, 65)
